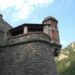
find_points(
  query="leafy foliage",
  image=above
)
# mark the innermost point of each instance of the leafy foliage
(67, 65)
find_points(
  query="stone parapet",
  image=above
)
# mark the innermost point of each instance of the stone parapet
(27, 37)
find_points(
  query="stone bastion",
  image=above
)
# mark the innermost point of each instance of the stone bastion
(29, 54)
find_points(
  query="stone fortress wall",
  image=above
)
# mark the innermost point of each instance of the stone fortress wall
(4, 27)
(34, 57)
(30, 53)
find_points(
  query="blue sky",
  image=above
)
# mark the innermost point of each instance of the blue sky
(17, 12)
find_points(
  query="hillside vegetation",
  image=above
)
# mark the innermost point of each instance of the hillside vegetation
(66, 60)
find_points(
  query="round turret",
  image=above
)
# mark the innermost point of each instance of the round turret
(49, 18)
(51, 28)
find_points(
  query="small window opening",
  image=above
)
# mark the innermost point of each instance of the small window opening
(35, 29)
(17, 32)
(56, 52)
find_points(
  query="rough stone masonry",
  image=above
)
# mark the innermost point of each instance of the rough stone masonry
(29, 49)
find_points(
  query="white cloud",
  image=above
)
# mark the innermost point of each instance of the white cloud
(4, 4)
(23, 8)
(23, 12)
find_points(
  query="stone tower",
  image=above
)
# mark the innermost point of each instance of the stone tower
(51, 23)
(51, 29)
(29, 49)
(4, 27)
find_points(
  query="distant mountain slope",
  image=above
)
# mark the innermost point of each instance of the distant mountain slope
(66, 60)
